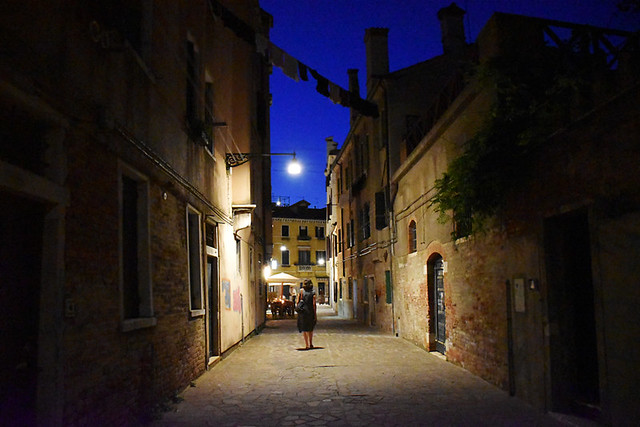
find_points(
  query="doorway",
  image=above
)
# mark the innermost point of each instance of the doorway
(574, 370)
(213, 298)
(437, 312)
(354, 294)
(21, 239)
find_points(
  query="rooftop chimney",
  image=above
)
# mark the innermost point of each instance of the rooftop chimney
(377, 49)
(354, 87)
(332, 145)
(452, 28)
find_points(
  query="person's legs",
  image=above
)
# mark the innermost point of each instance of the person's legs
(311, 339)
(306, 339)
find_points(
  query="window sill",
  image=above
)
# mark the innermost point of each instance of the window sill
(197, 313)
(138, 323)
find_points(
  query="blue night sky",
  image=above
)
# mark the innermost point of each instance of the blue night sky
(328, 36)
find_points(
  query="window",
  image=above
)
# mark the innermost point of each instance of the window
(462, 224)
(210, 236)
(361, 143)
(304, 257)
(303, 233)
(334, 239)
(285, 231)
(350, 289)
(348, 235)
(285, 257)
(365, 226)
(352, 238)
(239, 255)
(195, 261)
(321, 257)
(319, 232)
(125, 17)
(137, 306)
(208, 115)
(382, 216)
(357, 155)
(413, 238)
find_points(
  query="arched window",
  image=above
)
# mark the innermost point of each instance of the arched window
(413, 238)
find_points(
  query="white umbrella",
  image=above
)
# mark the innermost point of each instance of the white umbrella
(282, 278)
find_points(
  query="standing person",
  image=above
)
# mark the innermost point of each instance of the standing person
(307, 318)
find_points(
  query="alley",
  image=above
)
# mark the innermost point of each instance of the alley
(355, 376)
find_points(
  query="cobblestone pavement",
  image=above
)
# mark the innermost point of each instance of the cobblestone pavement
(355, 376)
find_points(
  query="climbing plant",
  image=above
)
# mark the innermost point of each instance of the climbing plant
(533, 96)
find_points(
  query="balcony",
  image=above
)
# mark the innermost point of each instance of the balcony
(305, 268)
(304, 237)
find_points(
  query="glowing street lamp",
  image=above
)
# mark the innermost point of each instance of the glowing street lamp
(294, 167)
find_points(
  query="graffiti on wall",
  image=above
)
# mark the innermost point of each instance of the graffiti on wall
(237, 300)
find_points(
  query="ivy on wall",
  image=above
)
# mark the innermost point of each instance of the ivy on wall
(533, 97)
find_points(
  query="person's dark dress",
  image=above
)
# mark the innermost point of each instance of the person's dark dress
(307, 319)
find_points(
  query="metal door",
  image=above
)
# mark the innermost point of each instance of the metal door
(440, 318)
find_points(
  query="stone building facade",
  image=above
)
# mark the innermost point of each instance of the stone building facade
(130, 251)
(529, 303)
(536, 303)
(359, 175)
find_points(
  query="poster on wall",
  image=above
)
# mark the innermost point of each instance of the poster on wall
(226, 290)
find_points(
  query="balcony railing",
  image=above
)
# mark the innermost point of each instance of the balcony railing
(304, 237)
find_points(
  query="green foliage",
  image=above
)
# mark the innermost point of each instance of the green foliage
(533, 97)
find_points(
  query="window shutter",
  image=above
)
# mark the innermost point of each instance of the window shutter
(381, 211)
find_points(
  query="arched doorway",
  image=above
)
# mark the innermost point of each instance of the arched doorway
(437, 315)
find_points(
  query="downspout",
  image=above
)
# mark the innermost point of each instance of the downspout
(391, 215)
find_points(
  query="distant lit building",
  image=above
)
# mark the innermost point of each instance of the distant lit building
(299, 247)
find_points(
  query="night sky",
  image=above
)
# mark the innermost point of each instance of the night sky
(328, 35)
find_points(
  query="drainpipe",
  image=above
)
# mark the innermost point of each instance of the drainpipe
(391, 219)
(392, 251)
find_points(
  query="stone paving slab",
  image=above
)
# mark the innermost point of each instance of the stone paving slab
(355, 377)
